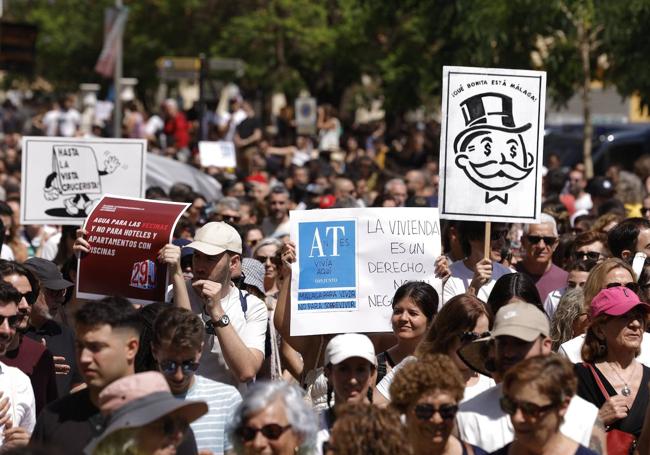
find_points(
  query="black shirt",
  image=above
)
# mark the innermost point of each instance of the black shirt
(589, 390)
(68, 424)
(59, 340)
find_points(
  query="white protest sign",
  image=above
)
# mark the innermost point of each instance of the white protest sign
(491, 144)
(217, 153)
(64, 177)
(351, 261)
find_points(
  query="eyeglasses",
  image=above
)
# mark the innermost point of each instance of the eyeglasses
(528, 409)
(12, 320)
(30, 297)
(632, 286)
(468, 337)
(425, 411)
(263, 259)
(535, 239)
(587, 255)
(188, 367)
(271, 431)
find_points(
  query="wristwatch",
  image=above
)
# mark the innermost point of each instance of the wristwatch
(221, 322)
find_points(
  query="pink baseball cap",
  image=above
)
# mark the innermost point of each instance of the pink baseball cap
(616, 301)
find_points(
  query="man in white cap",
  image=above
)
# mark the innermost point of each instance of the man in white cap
(520, 331)
(235, 326)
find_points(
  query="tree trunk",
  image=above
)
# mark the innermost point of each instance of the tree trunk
(585, 48)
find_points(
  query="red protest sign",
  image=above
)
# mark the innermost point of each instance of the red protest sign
(125, 235)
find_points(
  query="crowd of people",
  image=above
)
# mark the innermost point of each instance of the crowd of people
(537, 349)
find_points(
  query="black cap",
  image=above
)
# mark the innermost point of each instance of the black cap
(601, 187)
(48, 274)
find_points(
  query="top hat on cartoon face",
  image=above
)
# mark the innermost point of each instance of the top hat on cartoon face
(491, 111)
(491, 150)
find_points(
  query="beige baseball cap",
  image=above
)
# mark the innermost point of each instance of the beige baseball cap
(215, 238)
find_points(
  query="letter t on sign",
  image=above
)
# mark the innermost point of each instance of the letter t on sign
(335, 237)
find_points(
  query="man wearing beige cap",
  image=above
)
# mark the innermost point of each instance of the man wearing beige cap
(520, 331)
(235, 325)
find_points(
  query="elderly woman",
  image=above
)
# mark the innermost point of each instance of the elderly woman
(536, 396)
(273, 418)
(610, 377)
(610, 273)
(266, 251)
(427, 393)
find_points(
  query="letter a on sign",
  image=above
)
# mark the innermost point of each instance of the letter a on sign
(316, 244)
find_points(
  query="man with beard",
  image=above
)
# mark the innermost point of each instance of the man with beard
(539, 242)
(235, 325)
(277, 223)
(520, 331)
(58, 338)
(30, 356)
(17, 407)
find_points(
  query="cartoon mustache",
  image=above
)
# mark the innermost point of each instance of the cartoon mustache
(492, 168)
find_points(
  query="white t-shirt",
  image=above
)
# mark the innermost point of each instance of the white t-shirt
(383, 387)
(461, 277)
(572, 350)
(237, 117)
(51, 247)
(16, 385)
(7, 253)
(60, 123)
(482, 422)
(251, 328)
(552, 301)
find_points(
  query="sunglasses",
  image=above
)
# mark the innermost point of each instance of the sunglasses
(12, 320)
(188, 367)
(263, 259)
(425, 411)
(528, 409)
(587, 255)
(535, 239)
(632, 286)
(271, 431)
(645, 210)
(228, 218)
(30, 297)
(468, 337)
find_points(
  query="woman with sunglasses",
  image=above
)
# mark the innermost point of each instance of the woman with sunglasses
(462, 320)
(610, 273)
(610, 377)
(427, 393)
(266, 251)
(536, 395)
(273, 418)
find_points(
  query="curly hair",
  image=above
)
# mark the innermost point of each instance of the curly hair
(366, 429)
(429, 373)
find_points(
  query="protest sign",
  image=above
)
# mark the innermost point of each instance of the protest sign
(351, 261)
(64, 177)
(306, 115)
(217, 153)
(491, 144)
(125, 235)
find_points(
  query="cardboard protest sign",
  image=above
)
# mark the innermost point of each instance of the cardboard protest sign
(351, 261)
(491, 144)
(125, 236)
(62, 178)
(217, 153)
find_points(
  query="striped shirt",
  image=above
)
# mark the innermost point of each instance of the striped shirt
(222, 399)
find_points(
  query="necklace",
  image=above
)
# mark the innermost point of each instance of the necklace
(625, 391)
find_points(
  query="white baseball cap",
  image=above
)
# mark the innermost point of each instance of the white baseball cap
(215, 238)
(348, 345)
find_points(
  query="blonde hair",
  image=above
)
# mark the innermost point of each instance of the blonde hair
(120, 442)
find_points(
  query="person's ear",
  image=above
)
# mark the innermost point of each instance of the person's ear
(626, 255)
(132, 346)
(564, 407)
(547, 345)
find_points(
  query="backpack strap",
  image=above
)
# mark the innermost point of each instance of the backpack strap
(382, 369)
(242, 302)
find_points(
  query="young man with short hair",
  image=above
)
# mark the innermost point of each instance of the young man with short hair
(177, 344)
